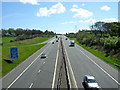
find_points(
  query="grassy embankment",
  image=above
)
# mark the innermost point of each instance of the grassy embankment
(25, 48)
(100, 54)
(0, 57)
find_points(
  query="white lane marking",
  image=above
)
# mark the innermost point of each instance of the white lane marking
(39, 71)
(31, 85)
(26, 69)
(75, 83)
(19, 64)
(100, 67)
(53, 83)
(43, 62)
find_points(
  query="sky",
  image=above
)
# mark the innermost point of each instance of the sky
(60, 17)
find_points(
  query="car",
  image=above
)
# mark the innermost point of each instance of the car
(52, 42)
(90, 82)
(56, 40)
(66, 39)
(72, 43)
(43, 55)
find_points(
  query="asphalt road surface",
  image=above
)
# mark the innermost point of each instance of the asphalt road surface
(85, 63)
(35, 72)
(38, 74)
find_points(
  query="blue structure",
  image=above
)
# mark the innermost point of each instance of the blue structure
(14, 53)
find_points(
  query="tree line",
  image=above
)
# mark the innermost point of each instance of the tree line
(103, 36)
(20, 32)
(112, 28)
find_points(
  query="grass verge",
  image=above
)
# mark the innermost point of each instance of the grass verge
(23, 52)
(26, 42)
(100, 54)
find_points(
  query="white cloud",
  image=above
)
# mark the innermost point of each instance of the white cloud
(82, 13)
(92, 21)
(70, 22)
(83, 4)
(55, 9)
(89, 21)
(75, 6)
(105, 8)
(33, 2)
(80, 21)
(109, 20)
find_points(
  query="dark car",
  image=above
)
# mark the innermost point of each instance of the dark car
(52, 42)
(43, 55)
(66, 39)
(56, 40)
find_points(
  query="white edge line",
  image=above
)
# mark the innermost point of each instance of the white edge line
(14, 68)
(68, 73)
(101, 68)
(53, 83)
(31, 85)
(25, 69)
(71, 70)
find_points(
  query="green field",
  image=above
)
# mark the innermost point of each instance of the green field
(24, 52)
(0, 60)
(24, 42)
(100, 54)
(7, 39)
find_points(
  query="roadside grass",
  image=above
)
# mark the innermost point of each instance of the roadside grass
(0, 39)
(0, 56)
(7, 39)
(0, 60)
(100, 54)
(28, 41)
(23, 52)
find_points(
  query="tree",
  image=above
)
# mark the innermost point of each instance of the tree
(113, 28)
(4, 32)
(19, 31)
(93, 29)
(99, 26)
(11, 31)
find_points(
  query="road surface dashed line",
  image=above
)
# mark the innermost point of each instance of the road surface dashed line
(31, 85)
(39, 71)
(43, 62)
(26, 69)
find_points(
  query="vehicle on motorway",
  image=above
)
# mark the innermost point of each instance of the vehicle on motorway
(72, 43)
(56, 40)
(90, 82)
(43, 55)
(56, 36)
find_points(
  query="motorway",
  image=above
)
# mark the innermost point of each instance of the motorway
(35, 72)
(85, 63)
(38, 74)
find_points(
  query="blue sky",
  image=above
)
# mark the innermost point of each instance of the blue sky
(60, 17)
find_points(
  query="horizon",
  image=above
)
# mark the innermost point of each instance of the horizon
(59, 17)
